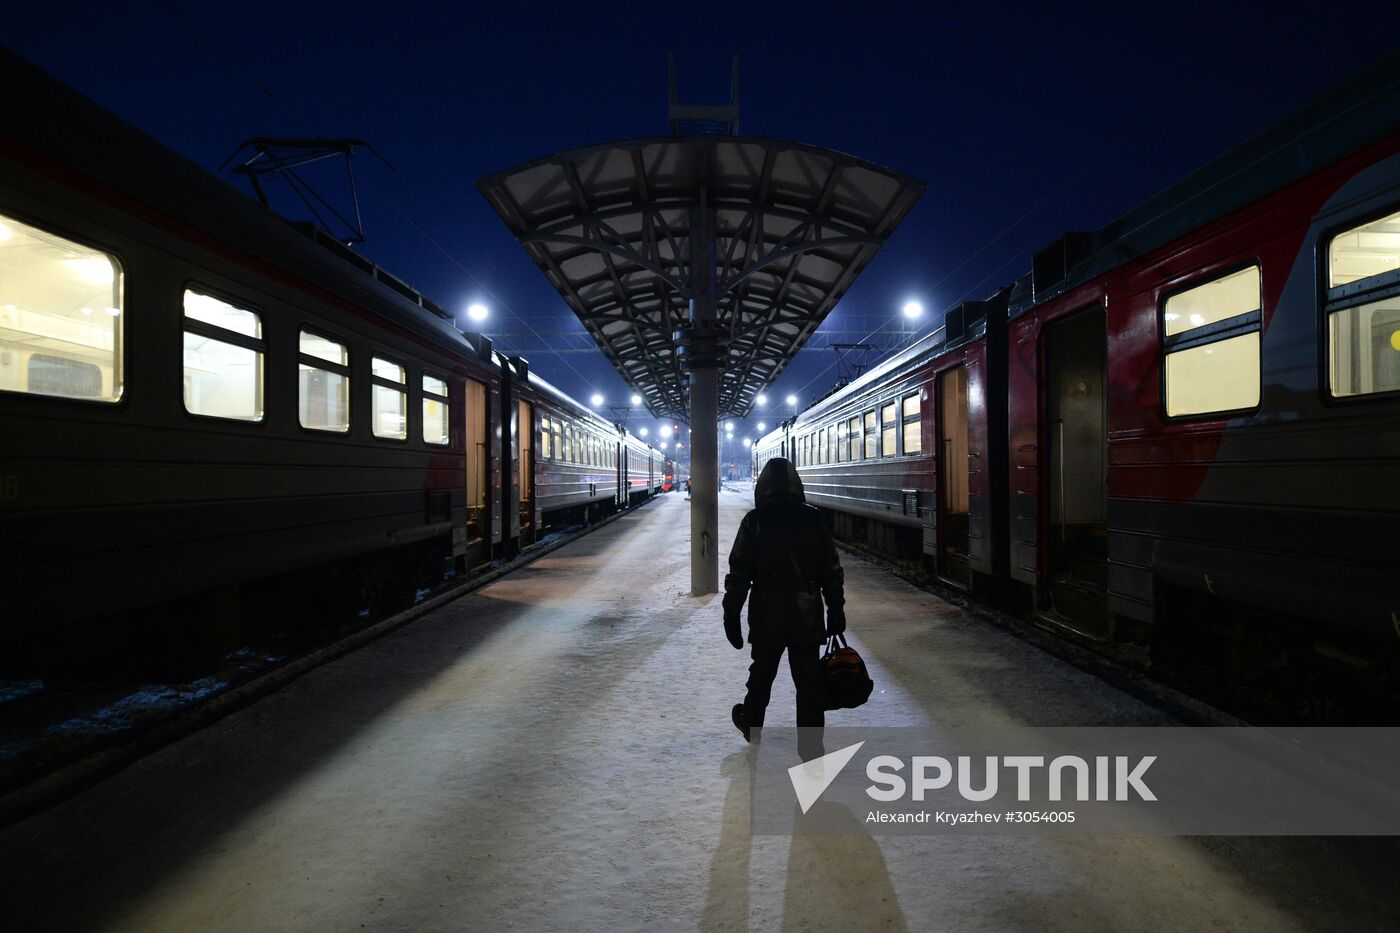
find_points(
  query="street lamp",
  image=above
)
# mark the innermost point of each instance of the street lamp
(913, 310)
(665, 430)
(477, 312)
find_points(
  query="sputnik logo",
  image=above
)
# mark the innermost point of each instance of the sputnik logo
(811, 778)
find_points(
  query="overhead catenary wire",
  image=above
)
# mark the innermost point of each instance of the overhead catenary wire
(237, 67)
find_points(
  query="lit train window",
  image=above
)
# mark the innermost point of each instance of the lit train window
(389, 400)
(1363, 309)
(223, 359)
(872, 442)
(545, 446)
(855, 438)
(323, 384)
(1363, 252)
(889, 437)
(831, 446)
(60, 316)
(842, 450)
(436, 411)
(912, 441)
(1211, 342)
(559, 440)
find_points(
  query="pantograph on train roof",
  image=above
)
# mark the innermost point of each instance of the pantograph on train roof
(619, 229)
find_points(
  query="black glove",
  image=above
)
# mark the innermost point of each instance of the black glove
(734, 631)
(835, 622)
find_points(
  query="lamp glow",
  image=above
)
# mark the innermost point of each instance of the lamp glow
(912, 310)
(636, 399)
(761, 399)
(792, 400)
(597, 399)
(477, 312)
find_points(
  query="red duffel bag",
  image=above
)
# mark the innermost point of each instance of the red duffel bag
(846, 683)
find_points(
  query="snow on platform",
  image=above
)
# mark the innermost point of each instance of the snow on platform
(554, 751)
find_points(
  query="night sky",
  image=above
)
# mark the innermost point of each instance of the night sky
(1024, 121)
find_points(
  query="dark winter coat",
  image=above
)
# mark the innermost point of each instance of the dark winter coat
(784, 552)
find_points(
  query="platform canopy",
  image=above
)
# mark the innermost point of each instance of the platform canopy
(633, 233)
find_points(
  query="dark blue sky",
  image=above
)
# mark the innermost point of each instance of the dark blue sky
(1070, 114)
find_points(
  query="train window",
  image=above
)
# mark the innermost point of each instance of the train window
(842, 449)
(831, 446)
(821, 446)
(1363, 252)
(1211, 343)
(436, 411)
(559, 440)
(872, 444)
(389, 408)
(60, 316)
(889, 435)
(1363, 309)
(323, 384)
(855, 438)
(912, 440)
(223, 359)
(545, 445)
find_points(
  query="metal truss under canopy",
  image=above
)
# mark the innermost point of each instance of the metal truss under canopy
(642, 236)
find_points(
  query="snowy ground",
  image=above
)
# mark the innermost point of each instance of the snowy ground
(554, 752)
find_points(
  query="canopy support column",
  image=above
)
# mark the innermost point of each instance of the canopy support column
(702, 352)
(704, 480)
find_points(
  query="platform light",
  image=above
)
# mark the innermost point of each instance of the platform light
(747, 442)
(729, 425)
(644, 432)
(665, 430)
(597, 399)
(792, 400)
(663, 445)
(913, 310)
(762, 426)
(636, 399)
(761, 399)
(477, 312)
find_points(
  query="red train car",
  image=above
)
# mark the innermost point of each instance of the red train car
(1204, 420)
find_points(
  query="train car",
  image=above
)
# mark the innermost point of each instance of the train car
(636, 461)
(576, 473)
(1205, 399)
(903, 456)
(208, 395)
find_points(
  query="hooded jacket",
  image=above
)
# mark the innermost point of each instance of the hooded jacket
(785, 555)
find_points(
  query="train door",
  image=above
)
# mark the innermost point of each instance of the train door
(525, 477)
(478, 465)
(1077, 474)
(953, 475)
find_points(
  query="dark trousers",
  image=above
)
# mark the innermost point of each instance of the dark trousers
(805, 663)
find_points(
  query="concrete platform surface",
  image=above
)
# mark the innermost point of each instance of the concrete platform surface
(554, 752)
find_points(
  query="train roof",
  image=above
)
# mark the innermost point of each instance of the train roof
(1340, 122)
(962, 324)
(564, 399)
(56, 122)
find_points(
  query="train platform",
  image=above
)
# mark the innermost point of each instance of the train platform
(554, 751)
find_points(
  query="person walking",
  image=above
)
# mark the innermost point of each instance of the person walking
(784, 562)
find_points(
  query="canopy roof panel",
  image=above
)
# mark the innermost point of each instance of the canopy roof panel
(611, 227)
